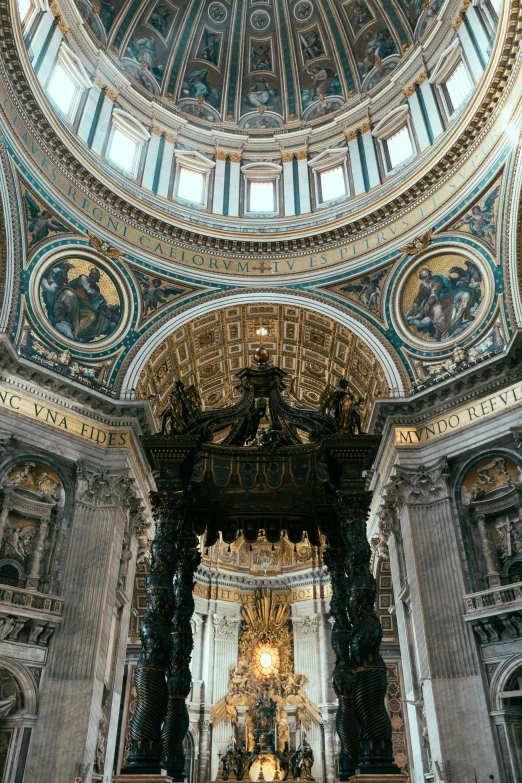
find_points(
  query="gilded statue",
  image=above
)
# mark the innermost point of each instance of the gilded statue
(183, 405)
(343, 406)
(303, 761)
(267, 624)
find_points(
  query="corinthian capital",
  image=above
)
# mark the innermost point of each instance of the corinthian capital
(226, 628)
(418, 486)
(101, 488)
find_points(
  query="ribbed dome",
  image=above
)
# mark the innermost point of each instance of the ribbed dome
(258, 63)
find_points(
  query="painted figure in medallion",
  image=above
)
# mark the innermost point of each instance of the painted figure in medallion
(84, 309)
(445, 304)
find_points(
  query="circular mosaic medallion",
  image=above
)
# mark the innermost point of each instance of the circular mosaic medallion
(81, 299)
(217, 12)
(303, 10)
(260, 20)
(443, 298)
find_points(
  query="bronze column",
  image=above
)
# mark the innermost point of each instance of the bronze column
(150, 674)
(369, 689)
(343, 677)
(179, 677)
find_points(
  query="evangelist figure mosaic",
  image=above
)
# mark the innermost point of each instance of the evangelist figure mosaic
(442, 298)
(81, 300)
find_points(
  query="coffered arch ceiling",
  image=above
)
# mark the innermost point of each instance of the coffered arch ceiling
(260, 63)
(313, 349)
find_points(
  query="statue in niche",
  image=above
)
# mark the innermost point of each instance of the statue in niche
(303, 761)
(125, 558)
(18, 539)
(343, 406)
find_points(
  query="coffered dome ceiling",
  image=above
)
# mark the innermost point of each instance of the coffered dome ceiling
(312, 349)
(259, 63)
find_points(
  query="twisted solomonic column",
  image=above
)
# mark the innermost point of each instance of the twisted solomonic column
(179, 677)
(150, 675)
(343, 677)
(369, 670)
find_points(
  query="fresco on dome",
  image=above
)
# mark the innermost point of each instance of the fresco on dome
(209, 48)
(262, 92)
(322, 108)
(80, 300)
(40, 221)
(321, 83)
(366, 289)
(261, 121)
(149, 50)
(359, 15)
(442, 298)
(202, 84)
(162, 18)
(311, 44)
(372, 47)
(481, 219)
(199, 110)
(261, 55)
(379, 74)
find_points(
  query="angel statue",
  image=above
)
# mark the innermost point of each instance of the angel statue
(417, 245)
(343, 406)
(183, 406)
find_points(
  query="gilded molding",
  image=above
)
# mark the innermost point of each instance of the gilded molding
(62, 26)
(287, 157)
(170, 138)
(235, 157)
(411, 90)
(221, 154)
(301, 154)
(111, 94)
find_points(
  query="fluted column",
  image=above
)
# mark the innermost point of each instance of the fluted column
(329, 750)
(204, 750)
(369, 683)
(343, 676)
(180, 678)
(150, 675)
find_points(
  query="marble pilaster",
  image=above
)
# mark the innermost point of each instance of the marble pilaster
(446, 661)
(74, 687)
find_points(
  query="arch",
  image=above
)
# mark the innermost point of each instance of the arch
(390, 369)
(26, 682)
(7, 262)
(501, 677)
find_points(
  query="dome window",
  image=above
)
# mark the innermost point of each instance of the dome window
(67, 81)
(459, 86)
(261, 188)
(192, 178)
(125, 142)
(395, 137)
(330, 173)
(452, 78)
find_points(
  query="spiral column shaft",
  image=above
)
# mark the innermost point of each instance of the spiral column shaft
(150, 674)
(179, 676)
(343, 678)
(369, 670)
